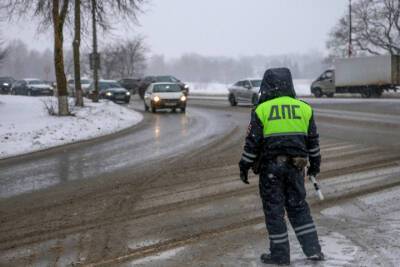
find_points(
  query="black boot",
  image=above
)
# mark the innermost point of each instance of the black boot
(267, 259)
(317, 257)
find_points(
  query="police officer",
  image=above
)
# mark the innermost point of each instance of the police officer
(281, 136)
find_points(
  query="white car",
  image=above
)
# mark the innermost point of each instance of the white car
(244, 92)
(164, 95)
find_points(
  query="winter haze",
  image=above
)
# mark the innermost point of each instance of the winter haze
(238, 30)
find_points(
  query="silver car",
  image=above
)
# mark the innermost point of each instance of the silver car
(244, 92)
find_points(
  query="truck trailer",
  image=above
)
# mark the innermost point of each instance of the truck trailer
(368, 76)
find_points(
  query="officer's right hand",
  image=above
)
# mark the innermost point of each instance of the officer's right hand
(244, 171)
(244, 176)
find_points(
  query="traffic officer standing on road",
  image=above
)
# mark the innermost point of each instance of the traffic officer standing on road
(281, 136)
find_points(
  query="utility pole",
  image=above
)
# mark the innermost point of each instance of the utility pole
(95, 56)
(350, 31)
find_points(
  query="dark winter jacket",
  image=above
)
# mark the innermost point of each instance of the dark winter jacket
(281, 124)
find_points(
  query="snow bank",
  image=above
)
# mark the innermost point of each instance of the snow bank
(209, 89)
(302, 87)
(25, 125)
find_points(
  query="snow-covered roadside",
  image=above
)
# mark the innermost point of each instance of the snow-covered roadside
(373, 221)
(25, 125)
(302, 87)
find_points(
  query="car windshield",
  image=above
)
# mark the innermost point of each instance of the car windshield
(110, 85)
(256, 83)
(5, 80)
(36, 82)
(166, 79)
(166, 88)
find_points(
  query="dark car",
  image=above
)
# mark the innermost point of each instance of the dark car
(132, 85)
(5, 84)
(146, 81)
(31, 87)
(112, 90)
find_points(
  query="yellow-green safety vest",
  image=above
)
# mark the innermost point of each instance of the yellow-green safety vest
(284, 116)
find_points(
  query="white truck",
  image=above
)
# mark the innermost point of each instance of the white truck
(368, 76)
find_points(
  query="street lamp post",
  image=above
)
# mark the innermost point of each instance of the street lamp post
(350, 52)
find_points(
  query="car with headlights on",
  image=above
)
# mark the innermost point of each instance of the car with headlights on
(146, 81)
(244, 92)
(164, 95)
(32, 87)
(5, 84)
(112, 90)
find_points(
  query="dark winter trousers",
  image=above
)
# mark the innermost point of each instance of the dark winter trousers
(282, 186)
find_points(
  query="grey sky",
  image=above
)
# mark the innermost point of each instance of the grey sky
(222, 27)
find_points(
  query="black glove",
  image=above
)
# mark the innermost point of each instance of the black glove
(312, 171)
(244, 171)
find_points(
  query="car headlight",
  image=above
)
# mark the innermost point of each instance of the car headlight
(156, 98)
(127, 93)
(6, 84)
(183, 98)
(108, 94)
(186, 86)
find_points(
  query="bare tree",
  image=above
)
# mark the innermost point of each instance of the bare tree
(375, 29)
(134, 61)
(102, 13)
(3, 50)
(108, 10)
(50, 12)
(76, 50)
(59, 13)
(109, 62)
(125, 59)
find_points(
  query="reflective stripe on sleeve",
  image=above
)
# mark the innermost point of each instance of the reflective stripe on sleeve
(315, 154)
(249, 155)
(247, 159)
(313, 150)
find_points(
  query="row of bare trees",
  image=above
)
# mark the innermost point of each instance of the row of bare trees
(205, 69)
(375, 29)
(56, 15)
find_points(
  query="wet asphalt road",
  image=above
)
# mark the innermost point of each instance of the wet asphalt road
(161, 135)
(62, 213)
(166, 134)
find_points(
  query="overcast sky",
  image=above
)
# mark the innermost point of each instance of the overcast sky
(220, 27)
